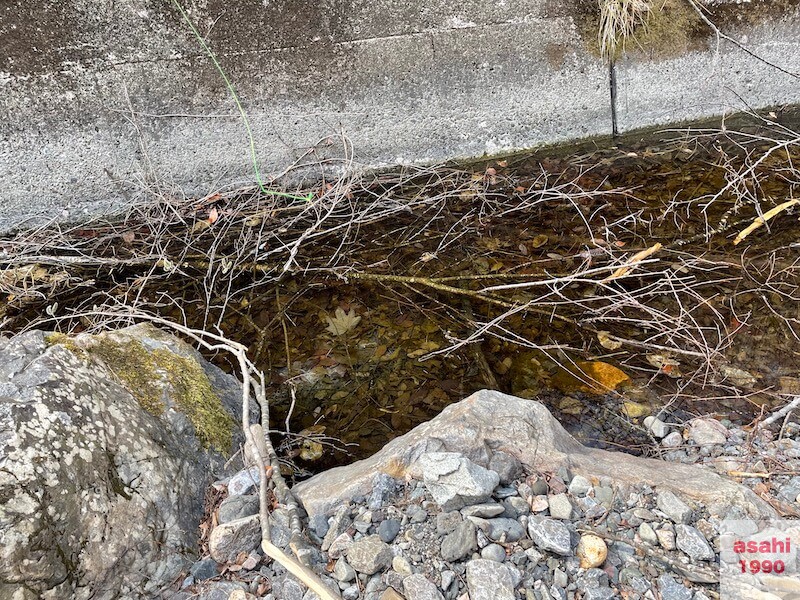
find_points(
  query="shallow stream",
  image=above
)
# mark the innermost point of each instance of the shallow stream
(604, 279)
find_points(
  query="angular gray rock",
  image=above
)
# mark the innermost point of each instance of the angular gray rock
(288, 588)
(484, 511)
(707, 432)
(647, 534)
(560, 506)
(501, 529)
(237, 507)
(342, 571)
(420, 588)
(388, 530)
(551, 535)
(369, 555)
(673, 590)
(447, 522)
(227, 540)
(672, 506)
(102, 492)
(460, 542)
(506, 465)
(692, 542)
(489, 580)
(454, 481)
(494, 552)
(579, 486)
(524, 429)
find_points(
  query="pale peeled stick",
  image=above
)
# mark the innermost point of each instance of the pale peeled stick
(592, 551)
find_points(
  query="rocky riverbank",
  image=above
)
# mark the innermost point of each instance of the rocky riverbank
(106, 459)
(506, 518)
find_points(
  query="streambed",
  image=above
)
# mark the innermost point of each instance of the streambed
(602, 279)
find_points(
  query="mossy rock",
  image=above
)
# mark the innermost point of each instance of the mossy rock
(156, 374)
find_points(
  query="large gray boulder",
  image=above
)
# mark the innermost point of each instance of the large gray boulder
(490, 421)
(107, 444)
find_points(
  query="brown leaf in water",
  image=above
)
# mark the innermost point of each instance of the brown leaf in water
(590, 377)
(539, 241)
(604, 337)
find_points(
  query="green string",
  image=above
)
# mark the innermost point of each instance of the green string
(243, 114)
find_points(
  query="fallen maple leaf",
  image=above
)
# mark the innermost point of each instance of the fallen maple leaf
(342, 322)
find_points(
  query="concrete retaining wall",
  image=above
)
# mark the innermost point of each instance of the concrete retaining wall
(105, 100)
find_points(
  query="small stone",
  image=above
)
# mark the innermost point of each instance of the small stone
(705, 431)
(447, 522)
(656, 426)
(549, 534)
(351, 592)
(244, 481)
(534, 556)
(579, 486)
(494, 552)
(374, 586)
(369, 555)
(592, 551)
(204, 569)
(501, 529)
(489, 580)
(538, 487)
(390, 594)
(340, 545)
(518, 505)
(539, 504)
(229, 539)
(666, 538)
(505, 492)
(646, 534)
(419, 587)
(401, 565)
(485, 511)
(604, 495)
(288, 588)
(460, 542)
(383, 486)
(251, 562)
(237, 507)
(644, 514)
(393, 579)
(673, 507)
(361, 526)
(388, 530)
(448, 577)
(693, 543)
(673, 590)
(342, 571)
(338, 525)
(417, 514)
(673, 440)
(560, 506)
(454, 481)
(506, 466)
(319, 525)
(560, 578)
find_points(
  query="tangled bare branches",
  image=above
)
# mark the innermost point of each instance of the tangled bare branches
(568, 256)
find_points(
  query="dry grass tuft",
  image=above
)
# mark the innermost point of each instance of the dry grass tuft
(619, 19)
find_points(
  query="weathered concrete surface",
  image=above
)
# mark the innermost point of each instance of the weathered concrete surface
(105, 101)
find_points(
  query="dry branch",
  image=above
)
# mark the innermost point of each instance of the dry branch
(759, 221)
